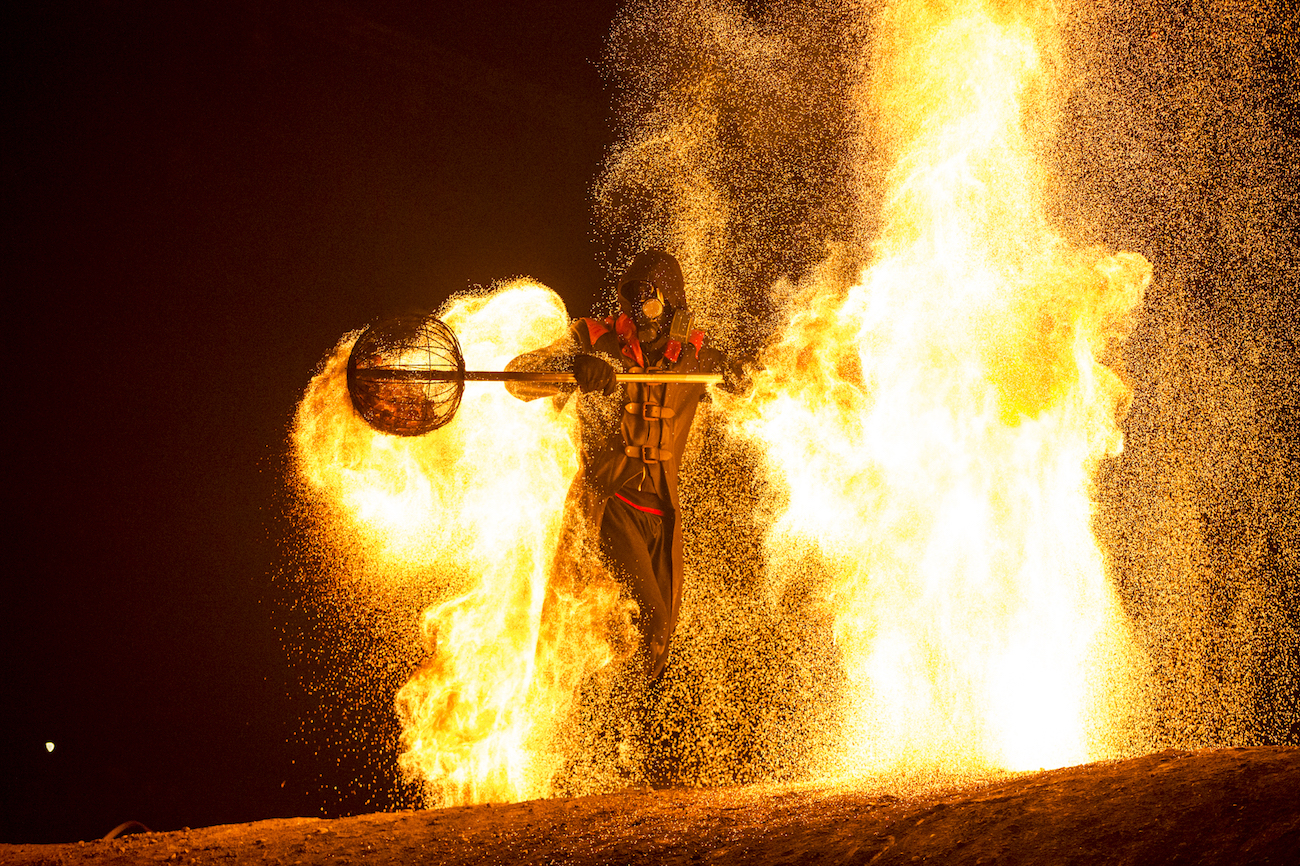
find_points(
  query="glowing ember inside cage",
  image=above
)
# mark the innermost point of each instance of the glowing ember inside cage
(388, 377)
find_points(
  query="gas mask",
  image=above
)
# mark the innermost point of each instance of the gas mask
(652, 293)
(649, 310)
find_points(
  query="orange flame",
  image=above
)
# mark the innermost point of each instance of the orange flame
(933, 428)
(930, 431)
(476, 504)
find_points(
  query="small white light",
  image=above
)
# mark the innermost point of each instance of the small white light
(49, 747)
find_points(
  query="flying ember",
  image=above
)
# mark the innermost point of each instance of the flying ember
(915, 452)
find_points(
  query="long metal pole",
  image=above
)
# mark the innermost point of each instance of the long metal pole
(387, 374)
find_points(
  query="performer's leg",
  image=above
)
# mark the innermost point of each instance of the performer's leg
(636, 549)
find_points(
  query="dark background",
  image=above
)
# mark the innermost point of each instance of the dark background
(200, 199)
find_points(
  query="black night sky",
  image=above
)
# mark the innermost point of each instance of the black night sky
(201, 198)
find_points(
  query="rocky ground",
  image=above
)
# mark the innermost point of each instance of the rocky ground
(1230, 806)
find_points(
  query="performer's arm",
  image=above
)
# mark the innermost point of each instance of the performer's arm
(571, 354)
(555, 358)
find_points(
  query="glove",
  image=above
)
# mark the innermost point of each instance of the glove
(593, 374)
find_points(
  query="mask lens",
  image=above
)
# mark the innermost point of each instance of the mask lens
(653, 308)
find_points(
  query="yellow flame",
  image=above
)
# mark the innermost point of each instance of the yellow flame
(933, 428)
(930, 430)
(477, 502)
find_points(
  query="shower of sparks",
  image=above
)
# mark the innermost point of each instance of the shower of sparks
(891, 564)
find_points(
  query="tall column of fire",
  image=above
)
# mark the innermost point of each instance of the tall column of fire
(930, 431)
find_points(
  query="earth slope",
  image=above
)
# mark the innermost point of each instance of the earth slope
(1229, 806)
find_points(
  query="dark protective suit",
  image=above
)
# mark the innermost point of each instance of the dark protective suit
(631, 448)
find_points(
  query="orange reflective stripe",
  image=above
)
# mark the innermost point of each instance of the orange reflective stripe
(595, 330)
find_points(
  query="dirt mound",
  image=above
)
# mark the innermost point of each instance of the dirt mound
(1230, 806)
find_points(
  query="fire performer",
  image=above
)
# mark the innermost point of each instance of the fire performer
(625, 491)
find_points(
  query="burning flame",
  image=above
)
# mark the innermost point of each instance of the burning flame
(475, 504)
(933, 428)
(929, 434)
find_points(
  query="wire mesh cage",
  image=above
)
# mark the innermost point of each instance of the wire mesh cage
(406, 375)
